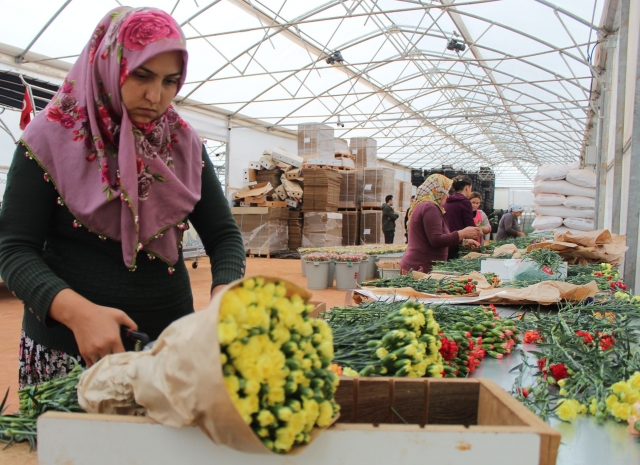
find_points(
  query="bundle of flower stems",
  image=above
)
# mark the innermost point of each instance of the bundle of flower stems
(603, 274)
(379, 339)
(59, 394)
(468, 334)
(429, 286)
(586, 359)
(520, 242)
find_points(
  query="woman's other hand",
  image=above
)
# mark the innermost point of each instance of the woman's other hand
(470, 243)
(520, 234)
(469, 232)
(96, 328)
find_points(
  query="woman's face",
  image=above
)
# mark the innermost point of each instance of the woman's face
(475, 203)
(516, 214)
(149, 89)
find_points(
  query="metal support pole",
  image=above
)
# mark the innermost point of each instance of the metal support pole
(633, 206)
(623, 39)
(601, 160)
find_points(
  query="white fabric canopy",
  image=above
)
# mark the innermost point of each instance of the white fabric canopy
(516, 97)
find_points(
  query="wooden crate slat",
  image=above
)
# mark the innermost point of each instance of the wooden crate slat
(453, 403)
(409, 400)
(373, 400)
(346, 397)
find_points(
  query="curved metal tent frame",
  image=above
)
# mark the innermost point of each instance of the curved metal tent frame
(516, 97)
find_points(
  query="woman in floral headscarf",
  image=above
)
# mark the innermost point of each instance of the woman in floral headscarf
(98, 196)
(429, 236)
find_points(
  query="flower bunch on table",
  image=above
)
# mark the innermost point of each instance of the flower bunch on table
(378, 339)
(276, 363)
(583, 352)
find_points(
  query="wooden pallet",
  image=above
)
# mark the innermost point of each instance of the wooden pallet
(320, 167)
(371, 206)
(347, 209)
(266, 203)
(341, 155)
(252, 254)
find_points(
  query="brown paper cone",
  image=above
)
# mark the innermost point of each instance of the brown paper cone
(180, 381)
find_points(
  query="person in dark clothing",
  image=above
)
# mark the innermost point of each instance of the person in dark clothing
(508, 226)
(102, 186)
(458, 209)
(406, 219)
(389, 218)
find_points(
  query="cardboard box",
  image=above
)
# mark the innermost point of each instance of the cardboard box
(267, 163)
(292, 203)
(249, 175)
(295, 175)
(365, 150)
(347, 163)
(350, 228)
(322, 229)
(280, 154)
(371, 227)
(377, 183)
(316, 141)
(349, 190)
(264, 229)
(280, 192)
(341, 147)
(292, 188)
(255, 165)
(256, 190)
(323, 161)
(295, 228)
(321, 189)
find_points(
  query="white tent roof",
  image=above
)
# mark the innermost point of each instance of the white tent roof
(517, 97)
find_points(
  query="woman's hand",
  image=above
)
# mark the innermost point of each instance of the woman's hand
(96, 328)
(470, 243)
(469, 233)
(520, 234)
(217, 289)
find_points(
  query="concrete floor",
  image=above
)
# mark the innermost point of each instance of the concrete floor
(11, 323)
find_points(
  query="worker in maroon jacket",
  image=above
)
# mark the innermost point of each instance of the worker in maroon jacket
(430, 236)
(459, 212)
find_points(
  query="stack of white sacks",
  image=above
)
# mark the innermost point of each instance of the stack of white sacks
(564, 198)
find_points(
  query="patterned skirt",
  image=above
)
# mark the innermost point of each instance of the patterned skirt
(38, 364)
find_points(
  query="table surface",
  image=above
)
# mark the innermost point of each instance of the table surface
(584, 441)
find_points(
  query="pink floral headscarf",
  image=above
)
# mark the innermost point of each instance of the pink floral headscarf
(130, 183)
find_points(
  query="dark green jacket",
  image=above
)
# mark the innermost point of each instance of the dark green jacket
(389, 218)
(41, 253)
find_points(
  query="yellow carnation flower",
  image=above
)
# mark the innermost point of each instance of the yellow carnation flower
(610, 400)
(620, 386)
(284, 439)
(382, 352)
(227, 332)
(326, 414)
(346, 371)
(634, 381)
(567, 409)
(266, 418)
(632, 397)
(593, 407)
(562, 382)
(621, 410)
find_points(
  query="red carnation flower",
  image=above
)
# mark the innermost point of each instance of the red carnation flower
(586, 336)
(559, 371)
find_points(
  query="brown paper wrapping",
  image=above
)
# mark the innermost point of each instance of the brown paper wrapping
(179, 382)
(545, 293)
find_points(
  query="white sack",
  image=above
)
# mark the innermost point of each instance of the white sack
(553, 172)
(582, 224)
(562, 187)
(564, 212)
(546, 222)
(581, 203)
(584, 178)
(550, 199)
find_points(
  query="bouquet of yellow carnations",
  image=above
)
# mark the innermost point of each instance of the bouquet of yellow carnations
(275, 363)
(251, 370)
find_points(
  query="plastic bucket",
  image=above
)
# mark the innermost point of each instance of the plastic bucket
(347, 275)
(304, 267)
(371, 269)
(317, 275)
(389, 272)
(332, 273)
(362, 273)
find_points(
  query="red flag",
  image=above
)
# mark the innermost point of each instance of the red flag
(25, 118)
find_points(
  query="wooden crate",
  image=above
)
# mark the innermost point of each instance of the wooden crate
(478, 405)
(452, 421)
